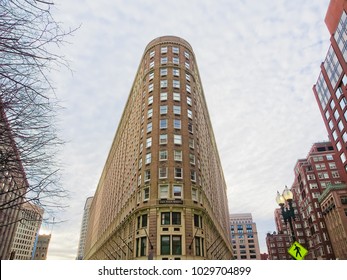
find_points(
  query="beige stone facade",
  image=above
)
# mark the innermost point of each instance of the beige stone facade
(41, 248)
(27, 230)
(244, 236)
(162, 193)
(333, 202)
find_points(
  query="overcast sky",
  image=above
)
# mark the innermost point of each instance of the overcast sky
(258, 61)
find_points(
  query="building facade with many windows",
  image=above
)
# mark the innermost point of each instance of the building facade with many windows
(333, 202)
(313, 176)
(13, 186)
(330, 89)
(84, 227)
(162, 193)
(27, 231)
(244, 236)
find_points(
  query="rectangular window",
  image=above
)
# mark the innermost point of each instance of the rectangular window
(150, 100)
(177, 191)
(175, 60)
(142, 221)
(176, 83)
(177, 124)
(165, 218)
(141, 246)
(189, 101)
(147, 175)
(176, 218)
(191, 143)
(177, 155)
(176, 72)
(163, 83)
(176, 96)
(148, 158)
(150, 87)
(163, 191)
(151, 76)
(149, 113)
(149, 127)
(163, 72)
(190, 113)
(190, 127)
(162, 172)
(192, 159)
(165, 245)
(175, 50)
(151, 54)
(186, 54)
(176, 245)
(195, 194)
(188, 88)
(187, 77)
(163, 96)
(186, 64)
(163, 139)
(163, 155)
(163, 60)
(163, 124)
(197, 221)
(151, 65)
(163, 109)
(198, 246)
(163, 50)
(193, 175)
(148, 142)
(146, 194)
(177, 109)
(177, 139)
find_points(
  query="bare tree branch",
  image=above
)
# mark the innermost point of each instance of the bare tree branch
(29, 142)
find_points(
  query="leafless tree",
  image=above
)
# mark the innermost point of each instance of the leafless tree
(29, 142)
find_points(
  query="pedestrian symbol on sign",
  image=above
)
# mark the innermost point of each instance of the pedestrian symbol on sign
(297, 251)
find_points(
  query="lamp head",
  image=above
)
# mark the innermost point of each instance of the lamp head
(280, 199)
(287, 194)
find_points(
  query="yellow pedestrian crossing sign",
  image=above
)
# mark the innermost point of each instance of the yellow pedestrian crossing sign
(297, 251)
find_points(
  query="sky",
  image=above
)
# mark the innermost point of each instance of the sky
(257, 60)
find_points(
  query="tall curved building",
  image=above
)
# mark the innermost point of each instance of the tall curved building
(162, 193)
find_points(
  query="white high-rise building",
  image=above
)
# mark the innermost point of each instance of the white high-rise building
(28, 226)
(84, 227)
(244, 237)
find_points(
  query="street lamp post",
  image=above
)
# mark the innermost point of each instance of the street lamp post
(287, 213)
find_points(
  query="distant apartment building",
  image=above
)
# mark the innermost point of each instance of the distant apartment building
(244, 237)
(277, 246)
(333, 203)
(313, 176)
(27, 230)
(330, 89)
(162, 193)
(13, 186)
(84, 227)
(41, 249)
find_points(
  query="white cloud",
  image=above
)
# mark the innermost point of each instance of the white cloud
(258, 61)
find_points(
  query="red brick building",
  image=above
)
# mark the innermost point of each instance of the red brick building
(330, 89)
